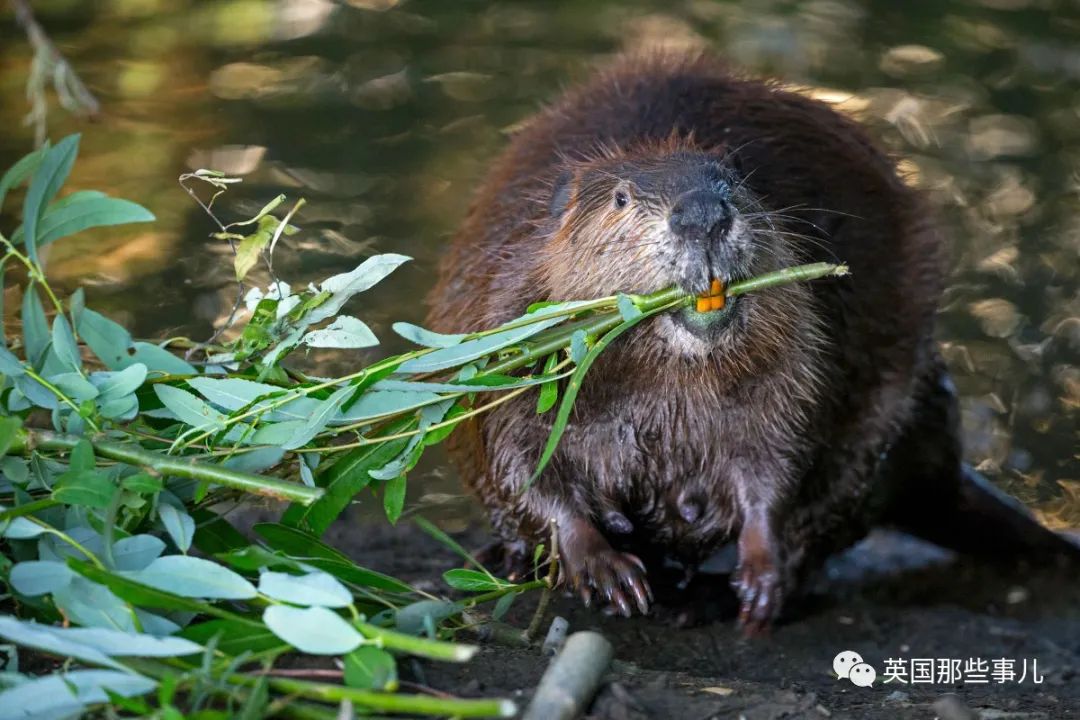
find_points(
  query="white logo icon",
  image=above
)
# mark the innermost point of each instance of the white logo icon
(849, 665)
(863, 675)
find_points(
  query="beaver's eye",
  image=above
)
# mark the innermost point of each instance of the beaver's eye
(621, 199)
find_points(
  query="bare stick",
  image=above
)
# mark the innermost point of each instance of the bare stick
(533, 630)
(572, 679)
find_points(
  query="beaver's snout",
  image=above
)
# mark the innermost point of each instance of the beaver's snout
(704, 223)
(702, 216)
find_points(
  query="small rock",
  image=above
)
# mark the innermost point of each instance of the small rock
(897, 696)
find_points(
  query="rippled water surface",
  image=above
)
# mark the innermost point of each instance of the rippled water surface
(383, 114)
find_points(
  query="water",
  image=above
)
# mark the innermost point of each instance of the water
(383, 114)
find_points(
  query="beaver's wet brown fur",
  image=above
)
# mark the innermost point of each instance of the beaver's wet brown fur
(793, 421)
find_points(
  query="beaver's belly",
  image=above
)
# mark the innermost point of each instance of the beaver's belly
(651, 487)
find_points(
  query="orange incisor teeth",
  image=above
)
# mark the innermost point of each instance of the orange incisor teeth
(712, 300)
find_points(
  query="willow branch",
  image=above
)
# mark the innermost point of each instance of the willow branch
(31, 439)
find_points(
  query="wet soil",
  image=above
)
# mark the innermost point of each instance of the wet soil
(889, 597)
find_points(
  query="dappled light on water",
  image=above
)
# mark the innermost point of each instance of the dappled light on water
(383, 114)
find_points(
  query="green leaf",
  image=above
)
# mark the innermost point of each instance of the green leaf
(109, 341)
(120, 383)
(318, 420)
(258, 700)
(278, 433)
(49, 176)
(37, 577)
(344, 286)
(142, 483)
(36, 393)
(317, 588)
(473, 349)
(308, 549)
(91, 604)
(82, 456)
(19, 528)
(481, 383)
(549, 392)
(473, 580)
(255, 461)
(75, 386)
(145, 596)
(88, 212)
(297, 543)
(115, 643)
(502, 606)
(233, 638)
(36, 335)
(434, 437)
(344, 332)
(572, 387)
(10, 365)
(394, 498)
(249, 249)
(380, 403)
(314, 630)
(214, 534)
(64, 345)
(15, 469)
(627, 308)
(65, 695)
(189, 409)
(579, 347)
(159, 359)
(137, 551)
(427, 338)
(21, 170)
(231, 393)
(87, 488)
(179, 525)
(48, 639)
(9, 432)
(414, 619)
(371, 668)
(346, 477)
(194, 577)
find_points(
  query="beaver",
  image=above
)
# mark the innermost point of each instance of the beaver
(791, 421)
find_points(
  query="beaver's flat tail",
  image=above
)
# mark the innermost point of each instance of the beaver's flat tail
(937, 497)
(987, 522)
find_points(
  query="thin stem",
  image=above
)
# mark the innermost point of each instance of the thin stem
(68, 539)
(533, 630)
(60, 396)
(174, 466)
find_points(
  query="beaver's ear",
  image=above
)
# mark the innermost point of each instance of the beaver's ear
(561, 192)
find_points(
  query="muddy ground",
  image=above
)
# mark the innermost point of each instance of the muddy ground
(890, 597)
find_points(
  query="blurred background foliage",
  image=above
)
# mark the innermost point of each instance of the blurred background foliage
(384, 114)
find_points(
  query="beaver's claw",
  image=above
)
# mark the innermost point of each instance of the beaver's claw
(757, 580)
(599, 572)
(760, 596)
(618, 580)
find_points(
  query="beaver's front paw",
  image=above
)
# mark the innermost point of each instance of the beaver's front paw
(601, 574)
(616, 579)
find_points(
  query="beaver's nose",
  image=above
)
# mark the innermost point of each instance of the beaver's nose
(700, 215)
